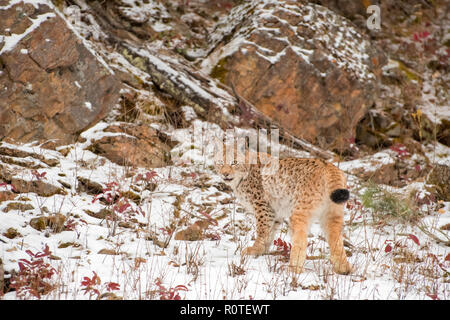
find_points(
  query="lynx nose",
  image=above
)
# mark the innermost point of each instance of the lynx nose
(226, 176)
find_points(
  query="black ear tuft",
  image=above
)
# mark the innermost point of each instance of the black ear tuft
(340, 195)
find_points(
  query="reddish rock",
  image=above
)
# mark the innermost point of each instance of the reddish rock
(7, 195)
(135, 145)
(55, 222)
(39, 187)
(302, 65)
(52, 86)
(194, 232)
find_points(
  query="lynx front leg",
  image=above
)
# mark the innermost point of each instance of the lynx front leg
(299, 229)
(265, 230)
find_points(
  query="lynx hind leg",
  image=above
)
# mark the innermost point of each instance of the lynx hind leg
(332, 223)
(299, 224)
(266, 227)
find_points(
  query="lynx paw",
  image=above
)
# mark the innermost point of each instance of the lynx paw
(253, 251)
(343, 268)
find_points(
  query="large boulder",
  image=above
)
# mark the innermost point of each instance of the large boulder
(52, 85)
(133, 145)
(302, 65)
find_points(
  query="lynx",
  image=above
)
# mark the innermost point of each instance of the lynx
(299, 191)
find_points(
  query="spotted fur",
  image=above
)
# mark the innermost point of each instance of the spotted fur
(300, 190)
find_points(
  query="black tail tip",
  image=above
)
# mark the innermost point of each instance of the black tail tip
(340, 195)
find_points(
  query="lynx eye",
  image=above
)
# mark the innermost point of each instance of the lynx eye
(234, 162)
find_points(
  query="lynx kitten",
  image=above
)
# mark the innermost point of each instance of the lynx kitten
(300, 190)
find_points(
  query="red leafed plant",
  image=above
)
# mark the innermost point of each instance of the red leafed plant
(421, 36)
(400, 150)
(7, 185)
(388, 248)
(37, 175)
(171, 293)
(122, 205)
(149, 177)
(433, 296)
(400, 243)
(93, 286)
(109, 194)
(414, 238)
(119, 205)
(283, 247)
(34, 275)
(112, 286)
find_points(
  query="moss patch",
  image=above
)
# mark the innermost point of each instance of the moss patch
(138, 62)
(387, 205)
(18, 206)
(219, 71)
(12, 233)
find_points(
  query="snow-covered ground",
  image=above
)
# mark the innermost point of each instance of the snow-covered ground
(146, 261)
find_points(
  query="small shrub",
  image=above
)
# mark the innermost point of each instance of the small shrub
(33, 278)
(119, 205)
(171, 293)
(283, 247)
(94, 286)
(387, 204)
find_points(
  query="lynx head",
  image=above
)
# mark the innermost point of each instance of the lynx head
(230, 162)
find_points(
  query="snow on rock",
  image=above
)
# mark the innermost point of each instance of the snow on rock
(151, 11)
(10, 42)
(342, 40)
(302, 65)
(39, 101)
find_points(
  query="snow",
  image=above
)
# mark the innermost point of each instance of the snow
(430, 108)
(12, 3)
(205, 266)
(189, 113)
(88, 105)
(10, 42)
(220, 98)
(152, 12)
